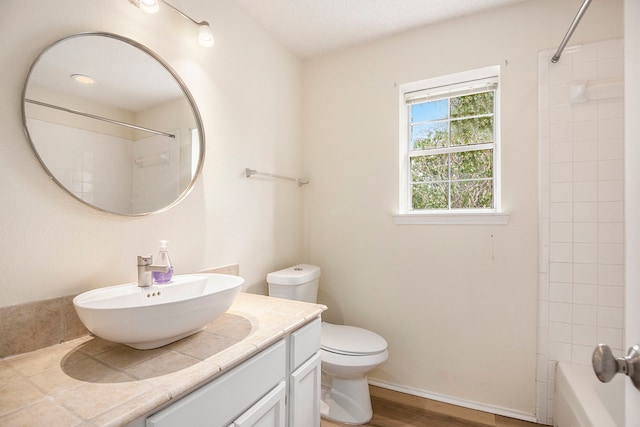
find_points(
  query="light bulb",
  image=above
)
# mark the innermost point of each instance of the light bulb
(83, 78)
(149, 6)
(205, 36)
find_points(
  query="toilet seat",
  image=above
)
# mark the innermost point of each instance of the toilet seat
(351, 340)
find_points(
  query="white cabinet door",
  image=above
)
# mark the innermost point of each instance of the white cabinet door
(267, 412)
(304, 394)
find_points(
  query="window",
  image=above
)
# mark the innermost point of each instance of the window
(449, 145)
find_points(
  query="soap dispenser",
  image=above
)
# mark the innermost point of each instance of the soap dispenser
(163, 260)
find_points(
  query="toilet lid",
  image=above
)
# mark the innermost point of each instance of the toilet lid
(351, 340)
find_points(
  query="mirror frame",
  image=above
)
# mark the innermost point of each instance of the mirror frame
(183, 87)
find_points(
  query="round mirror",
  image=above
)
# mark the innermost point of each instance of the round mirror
(113, 124)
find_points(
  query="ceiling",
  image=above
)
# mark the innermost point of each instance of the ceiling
(125, 77)
(313, 27)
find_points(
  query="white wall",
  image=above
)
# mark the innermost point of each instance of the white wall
(248, 90)
(457, 304)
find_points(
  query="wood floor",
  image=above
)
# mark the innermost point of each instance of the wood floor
(394, 409)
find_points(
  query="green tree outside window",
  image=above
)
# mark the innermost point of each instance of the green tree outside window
(451, 152)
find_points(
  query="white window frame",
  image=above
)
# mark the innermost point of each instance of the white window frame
(447, 216)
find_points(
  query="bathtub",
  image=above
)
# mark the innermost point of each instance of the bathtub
(583, 401)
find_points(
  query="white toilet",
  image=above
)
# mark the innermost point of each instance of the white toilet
(348, 352)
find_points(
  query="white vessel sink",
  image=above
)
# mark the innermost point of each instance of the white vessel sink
(157, 315)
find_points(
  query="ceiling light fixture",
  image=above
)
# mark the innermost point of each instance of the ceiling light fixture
(83, 78)
(149, 6)
(205, 35)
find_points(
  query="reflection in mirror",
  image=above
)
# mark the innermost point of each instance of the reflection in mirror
(113, 124)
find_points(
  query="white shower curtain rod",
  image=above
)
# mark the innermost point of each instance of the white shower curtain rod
(572, 28)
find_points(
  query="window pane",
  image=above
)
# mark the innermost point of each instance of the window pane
(430, 196)
(429, 111)
(430, 168)
(472, 194)
(472, 105)
(472, 131)
(451, 144)
(472, 164)
(429, 135)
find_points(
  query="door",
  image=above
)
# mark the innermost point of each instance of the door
(632, 194)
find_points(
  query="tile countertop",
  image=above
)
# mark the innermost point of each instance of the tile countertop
(92, 382)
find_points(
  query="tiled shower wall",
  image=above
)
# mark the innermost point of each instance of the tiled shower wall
(98, 167)
(156, 173)
(581, 224)
(95, 167)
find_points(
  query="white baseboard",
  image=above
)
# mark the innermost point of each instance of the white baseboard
(455, 401)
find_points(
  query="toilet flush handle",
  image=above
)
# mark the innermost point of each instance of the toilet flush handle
(606, 365)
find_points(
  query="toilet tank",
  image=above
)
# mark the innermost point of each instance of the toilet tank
(299, 283)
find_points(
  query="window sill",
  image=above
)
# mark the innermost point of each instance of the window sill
(490, 218)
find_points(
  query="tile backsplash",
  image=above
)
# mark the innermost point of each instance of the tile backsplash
(35, 325)
(581, 221)
(39, 324)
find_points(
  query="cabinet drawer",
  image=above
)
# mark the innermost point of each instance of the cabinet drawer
(223, 399)
(305, 342)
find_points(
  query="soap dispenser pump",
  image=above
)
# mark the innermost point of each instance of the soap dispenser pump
(163, 260)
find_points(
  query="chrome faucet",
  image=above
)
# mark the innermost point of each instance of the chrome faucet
(145, 267)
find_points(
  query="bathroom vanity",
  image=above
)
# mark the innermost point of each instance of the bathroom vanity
(259, 364)
(258, 389)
